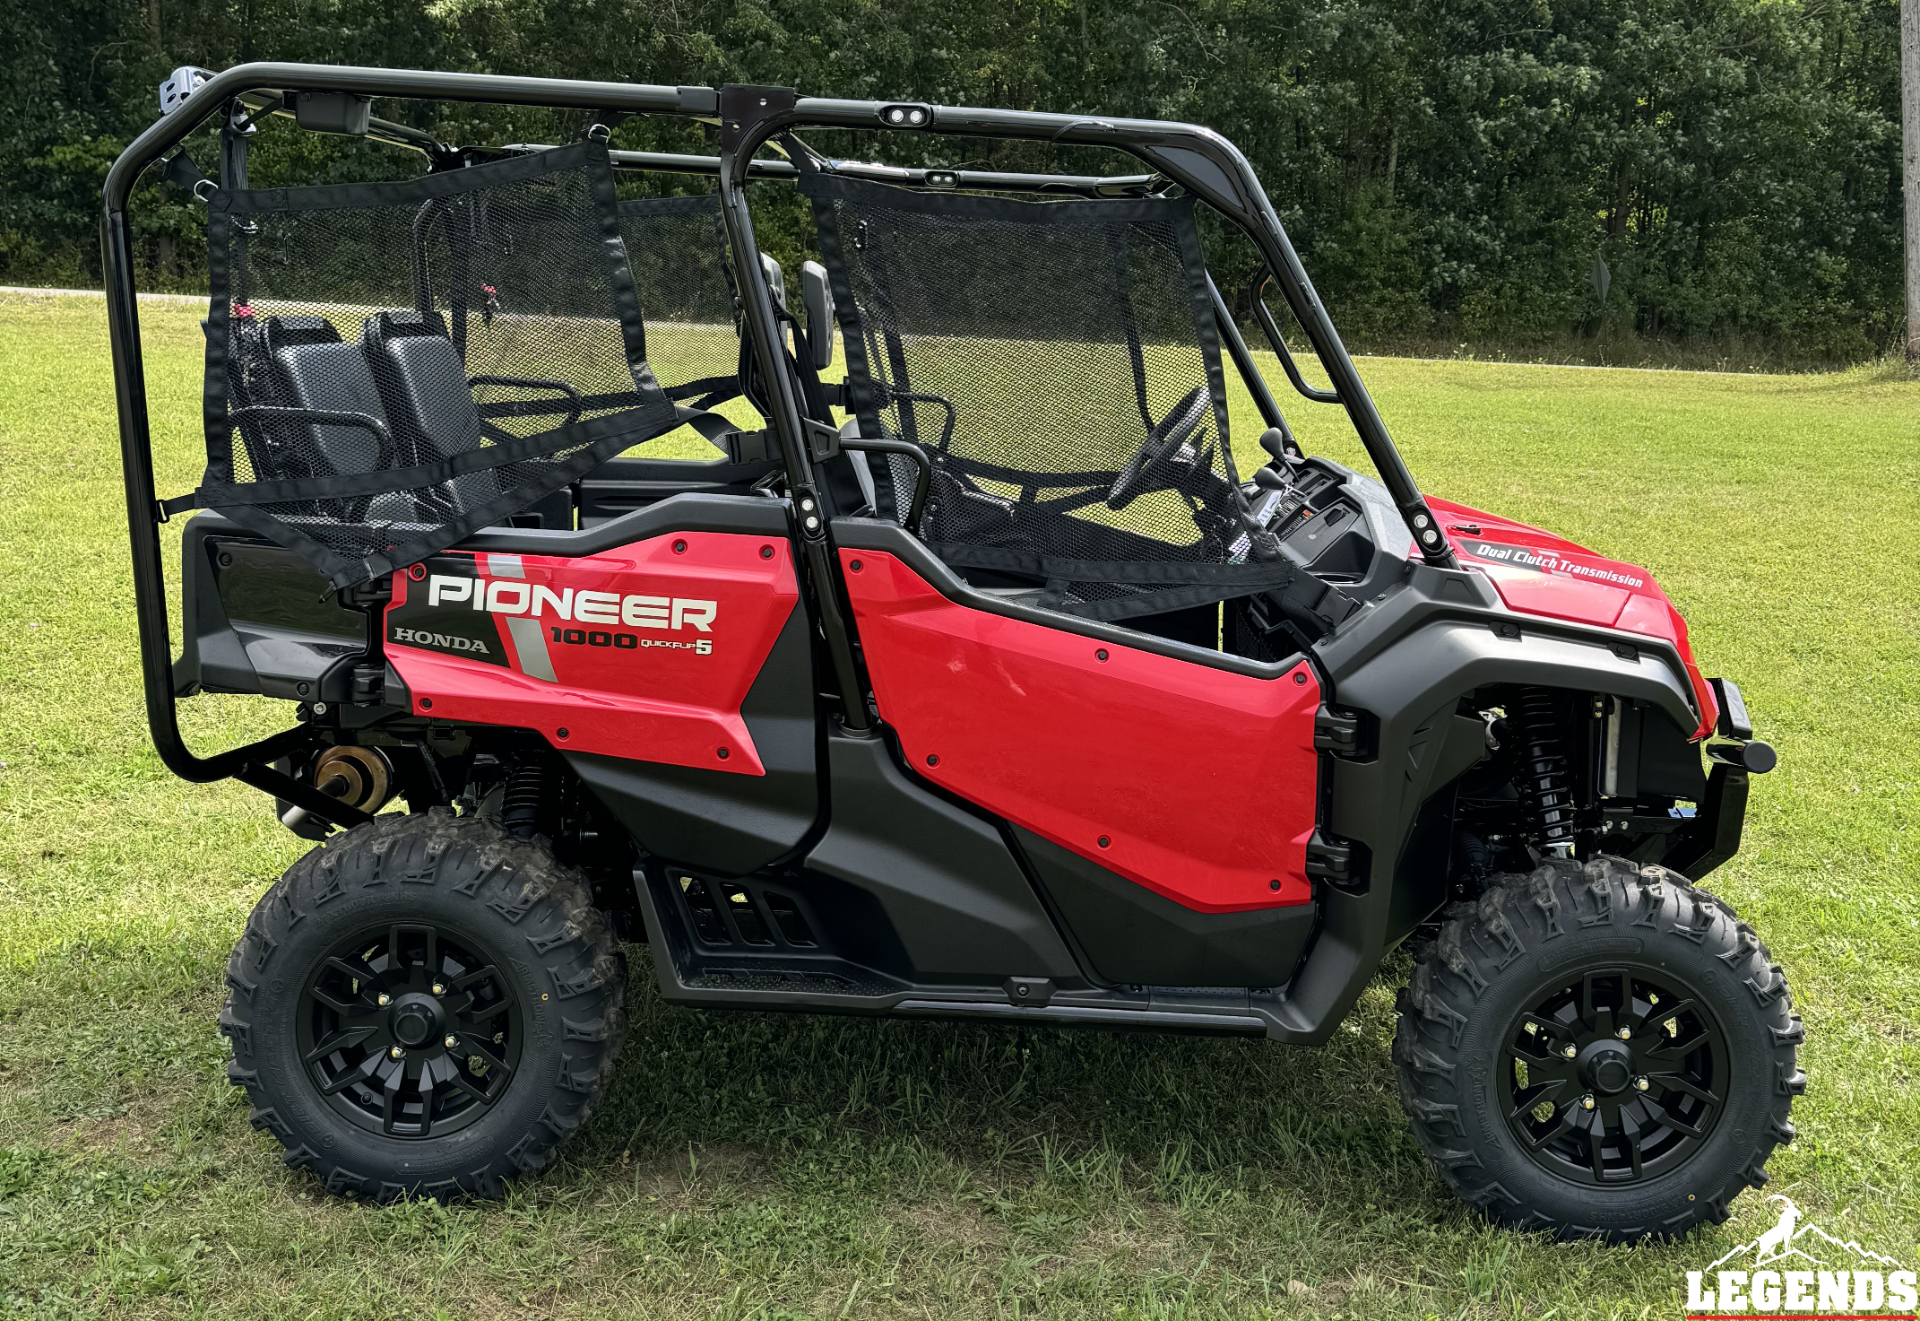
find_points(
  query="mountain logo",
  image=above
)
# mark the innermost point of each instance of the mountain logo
(1815, 1276)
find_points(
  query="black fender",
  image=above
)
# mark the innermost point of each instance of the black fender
(1405, 662)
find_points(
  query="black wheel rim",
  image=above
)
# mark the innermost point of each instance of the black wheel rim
(410, 1030)
(1615, 1077)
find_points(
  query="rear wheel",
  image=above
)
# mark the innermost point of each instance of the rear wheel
(424, 1005)
(1600, 1051)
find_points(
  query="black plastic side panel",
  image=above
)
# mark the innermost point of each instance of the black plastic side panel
(259, 619)
(1714, 835)
(1448, 744)
(1420, 881)
(1133, 936)
(716, 822)
(957, 899)
(1669, 764)
(211, 657)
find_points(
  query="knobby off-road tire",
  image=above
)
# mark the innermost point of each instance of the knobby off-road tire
(1555, 970)
(466, 950)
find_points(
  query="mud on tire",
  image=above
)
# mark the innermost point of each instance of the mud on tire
(1557, 1046)
(471, 953)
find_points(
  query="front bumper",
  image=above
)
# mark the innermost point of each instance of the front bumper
(1713, 836)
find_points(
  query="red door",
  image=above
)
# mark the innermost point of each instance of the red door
(1193, 781)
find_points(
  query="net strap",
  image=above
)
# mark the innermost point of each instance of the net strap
(708, 391)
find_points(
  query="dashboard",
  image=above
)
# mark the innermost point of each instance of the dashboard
(1339, 526)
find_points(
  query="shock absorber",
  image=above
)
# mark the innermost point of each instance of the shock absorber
(1544, 783)
(520, 806)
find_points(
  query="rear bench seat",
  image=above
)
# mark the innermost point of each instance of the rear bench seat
(406, 375)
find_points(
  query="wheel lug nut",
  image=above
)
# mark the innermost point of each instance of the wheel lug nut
(397, 1053)
(452, 1041)
(385, 999)
(1640, 1084)
(1586, 1102)
(1569, 1051)
(1624, 1033)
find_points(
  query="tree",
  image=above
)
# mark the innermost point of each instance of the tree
(1910, 173)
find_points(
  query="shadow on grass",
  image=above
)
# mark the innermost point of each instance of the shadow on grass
(1175, 1116)
(106, 1030)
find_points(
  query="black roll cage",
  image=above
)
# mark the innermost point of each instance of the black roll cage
(1197, 159)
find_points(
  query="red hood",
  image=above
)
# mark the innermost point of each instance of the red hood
(1538, 573)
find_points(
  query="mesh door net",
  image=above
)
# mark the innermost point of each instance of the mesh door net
(404, 363)
(676, 248)
(1059, 362)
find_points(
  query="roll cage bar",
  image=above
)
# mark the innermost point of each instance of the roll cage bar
(1195, 158)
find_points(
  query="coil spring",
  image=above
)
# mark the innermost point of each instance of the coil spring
(520, 805)
(1543, 781)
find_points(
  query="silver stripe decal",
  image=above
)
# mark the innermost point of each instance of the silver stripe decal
(506, 566)
(531, 642)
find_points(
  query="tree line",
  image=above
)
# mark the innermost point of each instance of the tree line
(1716, 176)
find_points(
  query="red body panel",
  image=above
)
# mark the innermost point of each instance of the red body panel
(1200, 782)
(1540, 574)
(647, 654)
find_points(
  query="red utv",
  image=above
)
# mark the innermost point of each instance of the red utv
(979, 685)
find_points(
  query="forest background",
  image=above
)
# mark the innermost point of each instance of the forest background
(1688, 182)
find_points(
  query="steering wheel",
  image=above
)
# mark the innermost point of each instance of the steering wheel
(1165, 439)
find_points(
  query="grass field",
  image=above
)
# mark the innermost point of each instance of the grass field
(769, 1166)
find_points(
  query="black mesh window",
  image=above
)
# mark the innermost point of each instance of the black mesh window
(676, 247)
(1060, 364)
(403, 363)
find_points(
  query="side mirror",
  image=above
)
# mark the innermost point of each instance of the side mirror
(817, 293)
(776, 280)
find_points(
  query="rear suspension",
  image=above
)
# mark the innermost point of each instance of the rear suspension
(523, 806)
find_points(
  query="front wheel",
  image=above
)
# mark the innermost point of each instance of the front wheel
(424, 1005)
(1598, 1051)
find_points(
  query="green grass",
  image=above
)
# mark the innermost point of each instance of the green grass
(772, 1166)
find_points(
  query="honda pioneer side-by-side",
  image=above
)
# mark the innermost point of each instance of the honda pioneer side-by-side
(968, 678)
